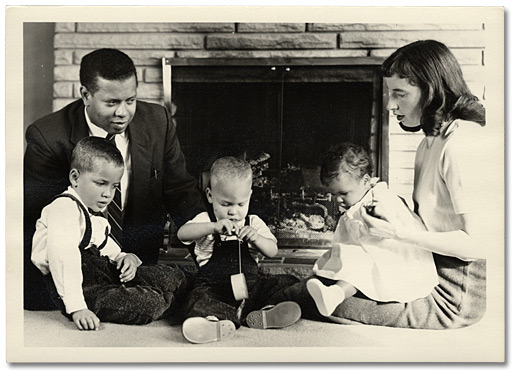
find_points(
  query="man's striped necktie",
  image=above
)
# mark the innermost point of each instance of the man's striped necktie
(115, 208)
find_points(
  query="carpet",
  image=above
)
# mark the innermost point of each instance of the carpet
(48, 336)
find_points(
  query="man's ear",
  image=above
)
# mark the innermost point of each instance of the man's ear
(74, 177)
(85, 95)
(208, 195)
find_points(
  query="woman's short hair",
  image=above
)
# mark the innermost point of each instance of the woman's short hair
(89, 150)
(432, 67)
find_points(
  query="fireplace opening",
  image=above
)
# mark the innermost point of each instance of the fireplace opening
(281, 119)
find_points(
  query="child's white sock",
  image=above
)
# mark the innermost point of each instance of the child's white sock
(327, 298)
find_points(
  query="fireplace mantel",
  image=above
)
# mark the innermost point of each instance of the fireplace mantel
(275, 61)
(196, 69)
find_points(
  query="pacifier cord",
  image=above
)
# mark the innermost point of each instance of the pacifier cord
(243, 303)
(239, 255)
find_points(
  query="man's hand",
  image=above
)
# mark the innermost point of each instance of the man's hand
(86, 320)
(128, 267)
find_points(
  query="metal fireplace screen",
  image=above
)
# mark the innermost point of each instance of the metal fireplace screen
(281, 119)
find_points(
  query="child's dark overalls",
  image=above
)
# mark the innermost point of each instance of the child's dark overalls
(212, 293)
(144, 299)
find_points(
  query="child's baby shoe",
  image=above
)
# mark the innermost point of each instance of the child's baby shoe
(199, 330)
(327, 298)
(282, 315)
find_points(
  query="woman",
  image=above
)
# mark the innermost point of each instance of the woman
(427, 91)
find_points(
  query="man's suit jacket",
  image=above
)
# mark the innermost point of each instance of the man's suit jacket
(159, 181)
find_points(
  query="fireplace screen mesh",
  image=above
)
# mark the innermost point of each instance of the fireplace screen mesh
(283, 128)
(293, 204)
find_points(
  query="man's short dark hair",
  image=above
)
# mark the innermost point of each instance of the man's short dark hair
(110, 64)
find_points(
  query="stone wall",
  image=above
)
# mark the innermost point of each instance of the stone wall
(147, 43)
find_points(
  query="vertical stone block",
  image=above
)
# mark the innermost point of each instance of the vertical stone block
(63, 57)
(150, 57)
(271, 41)
(62, 89)
(329, 27)
(65, 27)
(129, 41)
(76, 91)
(266, 27)
(150, 91)
(471, 57)
(155, 27)
(153, 75)
(66, 73)
(376, 39)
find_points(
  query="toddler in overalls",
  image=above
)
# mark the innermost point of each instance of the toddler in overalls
(88, 276)
(225, 237)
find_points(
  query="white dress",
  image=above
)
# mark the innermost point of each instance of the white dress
(382, 269)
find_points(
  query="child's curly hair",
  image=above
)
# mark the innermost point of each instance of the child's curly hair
(345, 158)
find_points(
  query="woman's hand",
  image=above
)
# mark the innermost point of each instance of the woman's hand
(382, 226)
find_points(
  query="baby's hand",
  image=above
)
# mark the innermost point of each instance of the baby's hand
(85, 320)
(248, 234)
(225, 227)
(128, 267)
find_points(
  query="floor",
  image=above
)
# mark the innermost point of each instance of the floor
(47, 336)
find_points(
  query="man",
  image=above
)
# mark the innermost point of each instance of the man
(155, 181)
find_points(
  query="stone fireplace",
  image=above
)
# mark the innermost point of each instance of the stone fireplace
(327, 69)
(281, 115)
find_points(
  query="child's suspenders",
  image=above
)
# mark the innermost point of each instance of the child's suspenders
(88, 224)
(191, 247)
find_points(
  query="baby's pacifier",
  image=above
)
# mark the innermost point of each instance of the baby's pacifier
(239, 286)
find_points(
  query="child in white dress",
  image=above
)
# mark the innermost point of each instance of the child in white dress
(382, 269)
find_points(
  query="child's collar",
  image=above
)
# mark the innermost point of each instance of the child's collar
(367, 198)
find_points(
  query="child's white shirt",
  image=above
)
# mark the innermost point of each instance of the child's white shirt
(59, 232)
(204, 245)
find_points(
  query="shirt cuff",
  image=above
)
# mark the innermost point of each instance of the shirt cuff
(73, 305)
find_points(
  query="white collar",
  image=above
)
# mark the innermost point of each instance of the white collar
(367, 198)
(98, 131)
(70, 190)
